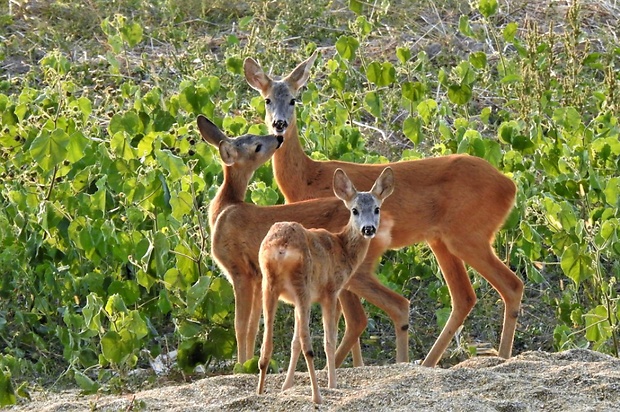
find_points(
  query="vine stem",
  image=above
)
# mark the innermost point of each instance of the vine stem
(49, 191)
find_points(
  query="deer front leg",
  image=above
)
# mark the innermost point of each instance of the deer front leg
(329, 310)
(254, 319)
(243, 309)
(270, 305)
(462, 296)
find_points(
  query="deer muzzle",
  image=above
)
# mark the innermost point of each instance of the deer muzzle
(369, 231)
(279, 126)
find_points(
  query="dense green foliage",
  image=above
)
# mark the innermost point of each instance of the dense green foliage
(104, 182)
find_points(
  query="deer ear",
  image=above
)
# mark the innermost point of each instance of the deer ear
(209, 131)
(299, 76)
(384, 185)
(254, 75)
(343, 188)
(228, 152)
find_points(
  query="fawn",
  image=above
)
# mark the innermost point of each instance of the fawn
(237, 228)
(455, 203)
(303, 266)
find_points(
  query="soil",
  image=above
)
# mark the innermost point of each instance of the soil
(575, 380)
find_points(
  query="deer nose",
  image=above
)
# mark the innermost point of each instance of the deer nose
(280, 125)
(280, 141)
(369, 231)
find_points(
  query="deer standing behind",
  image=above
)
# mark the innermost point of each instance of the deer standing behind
(304, 266)
(237, 228)
(455, 203)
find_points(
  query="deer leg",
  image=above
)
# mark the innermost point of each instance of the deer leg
(243, 309)
(483, 259)
(365, 285)
(330, 330)
(254, 319)
(295, 351)
(270, 304)
(355, 322)
(461, 293)
(302, 317)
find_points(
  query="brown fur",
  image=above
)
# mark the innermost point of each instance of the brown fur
(455, 203)
(237, 229)
(303, 266)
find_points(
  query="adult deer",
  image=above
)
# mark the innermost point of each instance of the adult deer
(237, 228)
(455, 203)
(304, 266)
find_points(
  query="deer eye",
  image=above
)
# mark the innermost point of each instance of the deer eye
(293, 102)
(267, 101)
(376, 210)
(355, 212)
(258, 147)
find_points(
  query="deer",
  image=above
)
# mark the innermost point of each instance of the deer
(237, 228)
(455, 203)
(303, 266)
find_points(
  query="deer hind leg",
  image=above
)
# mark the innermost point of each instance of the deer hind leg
(270, 304)
(365, 285)
(254, 319)
(462, 296)
(355, 323)
(509, 286)
(243, 310)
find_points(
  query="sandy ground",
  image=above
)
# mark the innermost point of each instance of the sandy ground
(576, 380)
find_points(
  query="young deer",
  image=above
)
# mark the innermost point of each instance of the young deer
(304, 266)
(455, 203)
(237, 228)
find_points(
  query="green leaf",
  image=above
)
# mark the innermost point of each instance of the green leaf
(381, 74)
(234, 65)
(163, 302)
(568, 117)
(346, 46)
(131, 33)
(115, 305)
(137, 325)
(510, 31)
(403, 54)
(427, 110)
(576, 264)
(356, 6)
(465, 27)
(373, 103)
(487, 7)
(112, 347)
(413, 91)
(412, 128)
(459, 94)
(197, 292)
(85, 383)
(196, 100)
(77, 146)
(173, 164)
(128, 122)
(478, 60)
(50, 149)
(189, 329)
(7, 392)
(597, 324)
(121, 146)
(612, 191)
(182, 204)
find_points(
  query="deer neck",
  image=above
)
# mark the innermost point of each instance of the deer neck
(232, 191)
(290, 165)
(354, 244)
